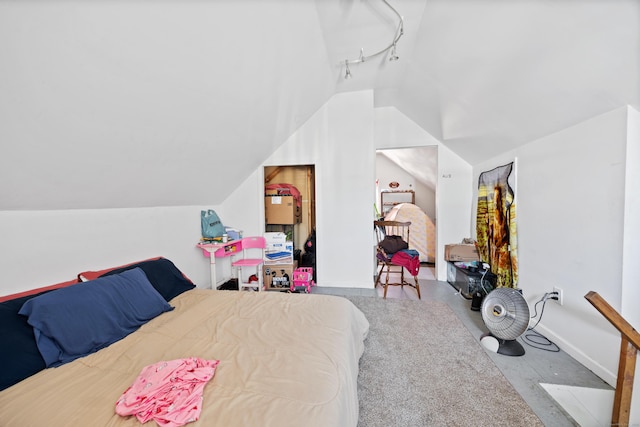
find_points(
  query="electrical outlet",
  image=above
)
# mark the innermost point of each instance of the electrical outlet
(560, 296)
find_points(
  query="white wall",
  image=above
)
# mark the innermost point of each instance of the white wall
(571, 196)
(40, 248)
(338, 140)
(631, 249)
(454, 192)
(388, 171)
(454, 202)
(426, 199)
(631, 246)
(44, 247)
(143, 97)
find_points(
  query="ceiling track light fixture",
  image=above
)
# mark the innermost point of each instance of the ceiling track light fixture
(392, 46)
(393, 56)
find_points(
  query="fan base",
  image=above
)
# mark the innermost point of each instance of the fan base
(500, 346)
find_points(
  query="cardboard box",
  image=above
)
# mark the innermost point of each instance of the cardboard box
(233, 233)
(278, 276)
(278, 250)
(275, 237)
(461, 252)
(281, 210)
(281, 254)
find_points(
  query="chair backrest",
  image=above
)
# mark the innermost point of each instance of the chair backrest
(391, 228)
(254, 242)
(251, 245)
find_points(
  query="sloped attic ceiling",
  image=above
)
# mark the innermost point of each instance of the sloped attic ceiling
(419, 162)
(487, 76)
(108, 104)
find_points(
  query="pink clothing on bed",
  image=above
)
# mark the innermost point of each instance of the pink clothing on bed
(168, 392)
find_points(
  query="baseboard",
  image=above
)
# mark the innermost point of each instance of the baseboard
(605, 374)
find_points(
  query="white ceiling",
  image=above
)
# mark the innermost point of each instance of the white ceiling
(420, 162)
(124, 104)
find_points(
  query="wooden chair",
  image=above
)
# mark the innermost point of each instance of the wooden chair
(384, 259)
(255, 244)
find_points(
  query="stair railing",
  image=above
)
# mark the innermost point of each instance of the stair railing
(627, 362)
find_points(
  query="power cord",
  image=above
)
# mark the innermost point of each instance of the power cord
(482, 284)
(543, 300)
(534, 338)
(459, 293)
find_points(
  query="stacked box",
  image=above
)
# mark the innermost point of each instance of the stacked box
(461, 252)
(233, 233)
(278, 276)
(275, 237)
(278, 250)
(281, 210)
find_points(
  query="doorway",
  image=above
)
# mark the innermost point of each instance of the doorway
(298, 183)
(409, 175)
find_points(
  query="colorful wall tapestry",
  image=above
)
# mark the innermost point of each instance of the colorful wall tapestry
(496, 225)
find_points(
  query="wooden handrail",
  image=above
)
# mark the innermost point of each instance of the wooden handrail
(627, 362)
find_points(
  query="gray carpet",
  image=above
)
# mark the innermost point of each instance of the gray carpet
(422, 367)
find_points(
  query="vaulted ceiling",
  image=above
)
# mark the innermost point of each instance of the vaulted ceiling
(109, 103)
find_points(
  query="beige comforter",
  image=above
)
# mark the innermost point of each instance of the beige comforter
(285, 360)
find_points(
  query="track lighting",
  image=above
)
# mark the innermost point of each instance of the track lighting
(393, 55)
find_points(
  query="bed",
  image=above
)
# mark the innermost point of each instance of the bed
(284, 358)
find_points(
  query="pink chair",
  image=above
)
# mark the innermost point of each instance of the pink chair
(251, 246)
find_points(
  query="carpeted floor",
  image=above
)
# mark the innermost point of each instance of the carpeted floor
(422, 367)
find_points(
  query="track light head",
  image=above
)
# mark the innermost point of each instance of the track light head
(347, 73)
(393, 56)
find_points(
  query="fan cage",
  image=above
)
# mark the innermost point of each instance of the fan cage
(505, 313)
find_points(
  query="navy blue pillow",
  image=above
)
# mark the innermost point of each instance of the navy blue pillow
(163, 275)
(79, 320)
(19, 354)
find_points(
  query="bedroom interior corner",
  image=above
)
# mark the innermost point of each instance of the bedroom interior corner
(115, 141)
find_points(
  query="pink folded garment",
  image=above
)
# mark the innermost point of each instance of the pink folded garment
(408, 261)
(169, 392)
